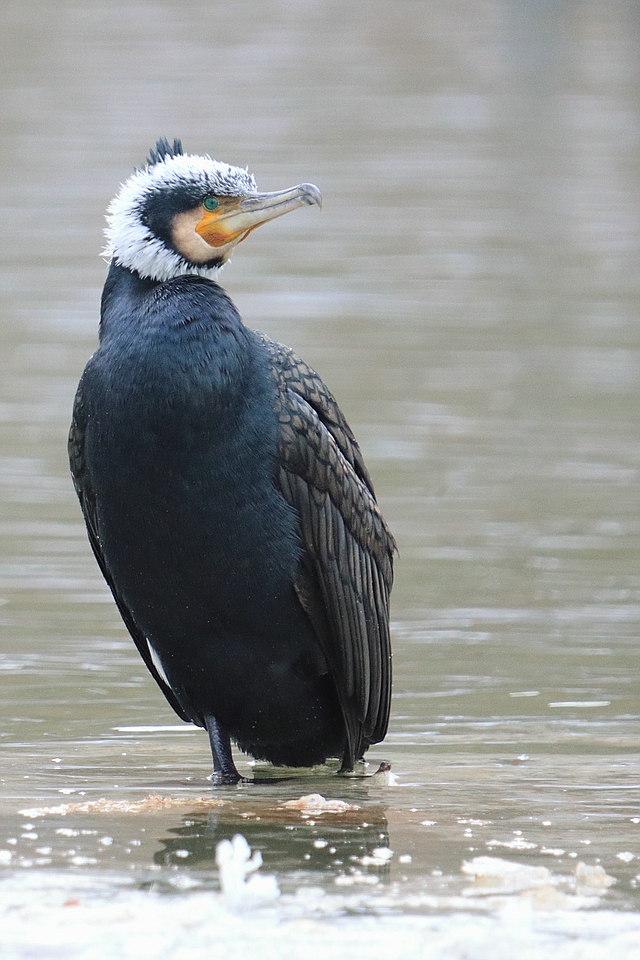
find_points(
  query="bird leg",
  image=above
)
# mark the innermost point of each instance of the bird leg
(224, 769)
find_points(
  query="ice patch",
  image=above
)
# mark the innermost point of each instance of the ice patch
(492, 876)
(235, 863)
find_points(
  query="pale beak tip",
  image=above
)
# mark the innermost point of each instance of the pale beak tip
(310, 194)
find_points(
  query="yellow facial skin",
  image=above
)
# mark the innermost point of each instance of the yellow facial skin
(235, 217)
(201, 235)
(224, 225)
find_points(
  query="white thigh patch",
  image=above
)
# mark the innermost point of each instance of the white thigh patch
(155, 660)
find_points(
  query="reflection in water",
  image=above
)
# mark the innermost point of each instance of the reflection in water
(304, 849)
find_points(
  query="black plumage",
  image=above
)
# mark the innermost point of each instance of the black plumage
(230, 510)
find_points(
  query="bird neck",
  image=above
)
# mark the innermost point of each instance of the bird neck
(121, 286)
(129, 300)
(184, 333)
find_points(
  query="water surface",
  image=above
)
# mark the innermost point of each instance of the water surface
(470, 294)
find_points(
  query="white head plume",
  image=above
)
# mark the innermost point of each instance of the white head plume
(130, 241)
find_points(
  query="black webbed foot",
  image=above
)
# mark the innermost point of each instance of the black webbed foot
(226, 779)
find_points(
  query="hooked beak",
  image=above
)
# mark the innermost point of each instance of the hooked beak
(236, 217)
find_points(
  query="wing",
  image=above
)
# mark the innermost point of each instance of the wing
(82, 483)
(346, 574)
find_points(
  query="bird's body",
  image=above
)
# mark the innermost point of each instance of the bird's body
(232, 516)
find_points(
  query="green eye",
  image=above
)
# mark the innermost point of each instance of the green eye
(210, 203)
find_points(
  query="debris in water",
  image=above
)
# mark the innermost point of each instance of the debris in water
(150, 804)
(314, 803)
(518, 844)
(384, 774)
(378, 858)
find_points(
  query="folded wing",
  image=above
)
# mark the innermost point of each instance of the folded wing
(346, 573)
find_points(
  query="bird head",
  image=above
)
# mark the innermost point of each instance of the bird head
(182, 214)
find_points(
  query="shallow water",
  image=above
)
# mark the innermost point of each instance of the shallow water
(470, 293)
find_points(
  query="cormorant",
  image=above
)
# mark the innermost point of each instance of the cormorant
(225, 496)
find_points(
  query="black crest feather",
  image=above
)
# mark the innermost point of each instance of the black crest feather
(164, 149)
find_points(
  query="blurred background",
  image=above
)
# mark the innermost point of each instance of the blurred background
(469, 292)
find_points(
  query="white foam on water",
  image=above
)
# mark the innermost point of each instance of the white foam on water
(198, 926)
(87, 916)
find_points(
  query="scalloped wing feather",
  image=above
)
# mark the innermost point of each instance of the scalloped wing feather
(348, 570)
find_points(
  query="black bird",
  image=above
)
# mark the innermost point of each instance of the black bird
(225, 496)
